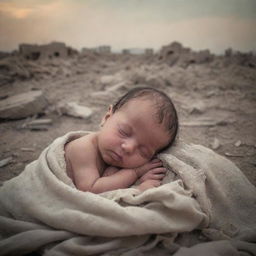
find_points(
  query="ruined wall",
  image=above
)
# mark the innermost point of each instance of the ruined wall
(176, 54)
(48, 51)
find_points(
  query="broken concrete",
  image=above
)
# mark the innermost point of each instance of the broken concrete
(47, 51)
(75, 110)
(238, 143)
(176, 54)
(197, 108)
(37, 125)
(111, 79)
(215, 144)
(5, 161)
(23, 105)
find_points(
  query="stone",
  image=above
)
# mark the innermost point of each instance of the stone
(75, 110)
(117, 87)
(39, 128)
(238, 143)
(38, 124)
(215, 144)
(22, 105)
(111, 79)
(5, 161)
(27, 149)
(197, 108)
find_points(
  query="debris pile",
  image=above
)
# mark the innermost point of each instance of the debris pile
(22, 105)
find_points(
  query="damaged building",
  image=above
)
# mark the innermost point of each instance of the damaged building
(149, 51)
(47, 51)
(176, 54)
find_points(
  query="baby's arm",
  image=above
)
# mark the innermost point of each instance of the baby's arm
(114, 178)
(151, 174)
(110, 171)
(86, 176)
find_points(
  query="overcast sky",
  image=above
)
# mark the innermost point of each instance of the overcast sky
(198, 24)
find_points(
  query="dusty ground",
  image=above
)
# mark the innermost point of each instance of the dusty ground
(214, 100)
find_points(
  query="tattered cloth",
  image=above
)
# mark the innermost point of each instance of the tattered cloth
(41, 210)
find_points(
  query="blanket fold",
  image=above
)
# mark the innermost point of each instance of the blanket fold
(43, 206)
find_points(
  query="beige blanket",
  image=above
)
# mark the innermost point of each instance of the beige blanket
(42, 210)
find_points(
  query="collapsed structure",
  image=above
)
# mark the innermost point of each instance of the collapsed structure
(175, 53)
(47, 51)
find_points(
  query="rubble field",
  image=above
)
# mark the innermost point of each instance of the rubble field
(44, 99)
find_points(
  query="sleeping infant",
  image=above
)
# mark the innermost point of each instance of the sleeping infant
(137, 127)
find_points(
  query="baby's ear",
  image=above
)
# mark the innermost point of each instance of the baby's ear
(107, 115)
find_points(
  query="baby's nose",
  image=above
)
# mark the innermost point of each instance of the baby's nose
(129, 146)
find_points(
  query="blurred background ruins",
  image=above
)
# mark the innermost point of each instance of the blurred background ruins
(62, 63)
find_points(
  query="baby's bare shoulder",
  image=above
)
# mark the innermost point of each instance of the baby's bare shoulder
(81, 150)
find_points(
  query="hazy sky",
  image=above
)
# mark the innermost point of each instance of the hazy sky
(199, 24)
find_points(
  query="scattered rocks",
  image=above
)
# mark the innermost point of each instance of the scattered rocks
(111, 79)
(110, 92)
(197, 108)
(38, 125)
(5, 161)
(238, 143)
(143, 78)
(203, 123)
(233, 155)
(75, 110)
(22, 105)
(27, 149)
(215, 144)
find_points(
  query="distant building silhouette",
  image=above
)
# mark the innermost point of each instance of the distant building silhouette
(47, 51)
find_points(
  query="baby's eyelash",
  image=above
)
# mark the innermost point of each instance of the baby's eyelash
(122, 132)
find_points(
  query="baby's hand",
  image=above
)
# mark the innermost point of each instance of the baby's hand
(149, 184)
(155, 163)
(154, 174)
(153, 170)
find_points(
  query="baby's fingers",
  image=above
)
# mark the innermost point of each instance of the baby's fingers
(159, 170)
(157, 176)
(154, 163)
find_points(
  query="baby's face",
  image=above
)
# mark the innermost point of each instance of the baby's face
(131, 136)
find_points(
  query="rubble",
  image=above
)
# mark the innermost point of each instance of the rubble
(215, 144)
(5, 161)
(238, 143)
(203, 123)
(152, 80)
(23, 105)
(75, 110)
(111, 79)
(47, 51)
(27, 149)
(197, 108)
(111, 92)
(37, 125)
(176, 54)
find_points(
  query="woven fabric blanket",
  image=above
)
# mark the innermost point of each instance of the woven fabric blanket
(41, 210)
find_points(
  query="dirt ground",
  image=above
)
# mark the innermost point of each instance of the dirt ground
(216, 103)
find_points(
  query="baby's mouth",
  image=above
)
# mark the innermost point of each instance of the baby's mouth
(116, 156)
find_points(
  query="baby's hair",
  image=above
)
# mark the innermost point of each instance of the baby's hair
(165, 109)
